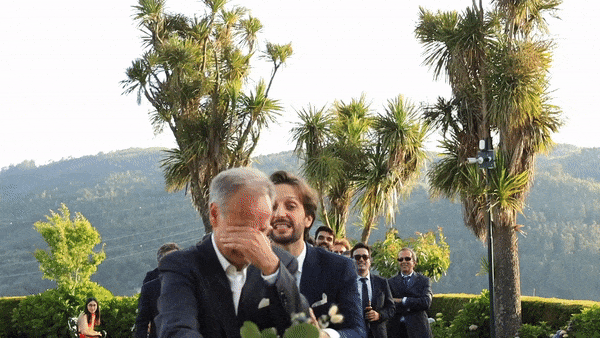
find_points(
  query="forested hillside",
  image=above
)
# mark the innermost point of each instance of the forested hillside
(122, 194)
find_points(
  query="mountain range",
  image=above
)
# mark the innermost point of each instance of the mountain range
(123, 195)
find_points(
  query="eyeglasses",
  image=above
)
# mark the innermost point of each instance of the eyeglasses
(404, 259)
(359, 257)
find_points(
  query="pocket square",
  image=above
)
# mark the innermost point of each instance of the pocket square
(321, 302)
(264, 303)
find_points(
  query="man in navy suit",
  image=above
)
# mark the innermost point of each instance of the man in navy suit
(374, 292)
(147, 307)
(234, 275)
(412, 296)
(325, 278)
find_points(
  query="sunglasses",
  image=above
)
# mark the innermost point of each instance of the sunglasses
(359, 257)
(408, 259)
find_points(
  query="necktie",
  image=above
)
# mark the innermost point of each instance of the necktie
(365, 293)
(406, 280)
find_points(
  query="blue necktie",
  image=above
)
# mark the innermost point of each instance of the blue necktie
(406, 280)
(365, 293)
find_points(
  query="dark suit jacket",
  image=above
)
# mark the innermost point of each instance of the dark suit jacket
(382, 302)
(150, 275)
(196, 298)
(418, 300)
(147, 309)
(334, 275)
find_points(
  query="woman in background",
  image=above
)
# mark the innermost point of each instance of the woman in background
(89, 318)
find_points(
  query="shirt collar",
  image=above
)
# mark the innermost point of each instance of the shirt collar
(409, 275)
(225, 264)
(368, 277)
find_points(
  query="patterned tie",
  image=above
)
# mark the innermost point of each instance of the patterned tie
(406, 280)
(365, 293)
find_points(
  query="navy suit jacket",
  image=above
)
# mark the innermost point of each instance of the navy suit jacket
(196, 298)
(382, 302)
(418, 300)
(147, 309)
(327, 279)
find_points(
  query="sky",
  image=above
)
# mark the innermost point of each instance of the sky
(63, 62)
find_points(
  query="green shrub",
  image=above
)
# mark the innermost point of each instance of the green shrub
(448, 304)
(473, 320)
(46, 314)
(555, 312)
(586, 324)
(6, 308)
(119, 316)
(535, 331)
(439, 328)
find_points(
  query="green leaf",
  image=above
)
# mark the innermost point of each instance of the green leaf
(269, 333)
(303, 330)
(249, 330)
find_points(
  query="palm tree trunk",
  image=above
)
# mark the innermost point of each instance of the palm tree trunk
(507, 301)
(366, 233)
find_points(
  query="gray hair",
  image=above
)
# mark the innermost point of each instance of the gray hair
(229, 181)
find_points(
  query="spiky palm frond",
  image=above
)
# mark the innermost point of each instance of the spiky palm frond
(312, 132)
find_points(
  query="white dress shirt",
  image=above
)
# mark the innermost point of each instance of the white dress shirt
(237, 278)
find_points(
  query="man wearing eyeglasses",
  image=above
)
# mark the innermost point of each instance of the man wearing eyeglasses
(412, 296)
(375, 293)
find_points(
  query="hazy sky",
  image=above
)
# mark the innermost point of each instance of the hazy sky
(63, 61)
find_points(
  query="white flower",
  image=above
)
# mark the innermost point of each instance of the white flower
(473, 327)
(336, 319)
(333, 310)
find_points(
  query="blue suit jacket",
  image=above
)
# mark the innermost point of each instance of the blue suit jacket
(418, 300)
(196, 298)
(382, 302)
(328, 279)
(147, 309)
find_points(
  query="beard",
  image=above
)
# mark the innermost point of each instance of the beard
(293, 236)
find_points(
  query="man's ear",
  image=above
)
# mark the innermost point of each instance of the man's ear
(213, 214)
(309, 224)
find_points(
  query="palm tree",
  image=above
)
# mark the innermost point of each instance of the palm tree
(194, 73)
(497, 70)
(351, 155)
(393, 163)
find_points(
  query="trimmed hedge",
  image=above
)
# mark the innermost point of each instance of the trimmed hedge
(118, 313)
(555, 312)
(7, 304)
(448, 304)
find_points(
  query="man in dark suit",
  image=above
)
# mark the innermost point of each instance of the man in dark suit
(325, 278)
(374, 292)
(412, 296)
(234, 275)
(147, 303)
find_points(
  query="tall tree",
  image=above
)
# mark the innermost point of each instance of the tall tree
(194, 72)
(70, 260)
(351, 154)
(393, 163)
(497, 69)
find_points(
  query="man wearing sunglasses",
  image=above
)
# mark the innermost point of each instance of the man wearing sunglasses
(412, 296)
(375, 293)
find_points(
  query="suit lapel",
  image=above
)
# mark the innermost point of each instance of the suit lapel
(311, 270)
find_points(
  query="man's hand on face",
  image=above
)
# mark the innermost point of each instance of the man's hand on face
(254, 245)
